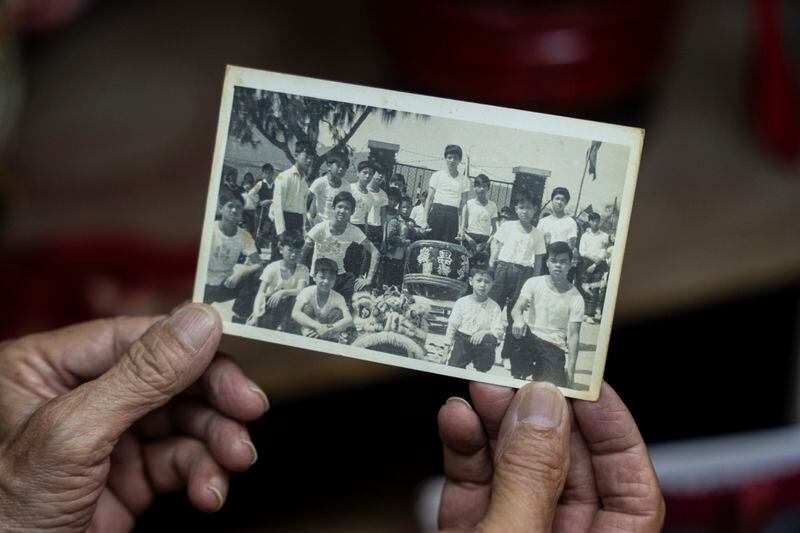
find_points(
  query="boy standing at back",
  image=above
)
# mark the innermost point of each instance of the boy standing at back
(325, 188)
(321, 311)
(479, 220)
(288, 208)
(559, 227)
(399, 234)
(475, 326)
(363, 204)
(593, 250)
(546, 324)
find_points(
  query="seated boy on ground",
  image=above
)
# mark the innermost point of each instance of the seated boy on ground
(475, 326)
(321, 311)
(228, 243)
(593, 249)
(546, 324)
(281, 282)
(332, 238)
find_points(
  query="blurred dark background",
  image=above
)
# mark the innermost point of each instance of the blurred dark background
(108, 112)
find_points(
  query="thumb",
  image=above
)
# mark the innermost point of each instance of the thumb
(162, 363)
(531, 461)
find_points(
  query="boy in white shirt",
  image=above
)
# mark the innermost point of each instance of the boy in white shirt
(546, 326)
(418, 212)
(326, 187)
(376, 217)
(593, 250)
(281, 281)
(475, 326)
(332, 239)
(363, 204)
(479, 220)
(322, 312)
(447, 193)
(288, 208)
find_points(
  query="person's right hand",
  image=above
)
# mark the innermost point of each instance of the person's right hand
(529, 462)
(518, 329)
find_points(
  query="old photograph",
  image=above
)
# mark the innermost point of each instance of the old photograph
(468, 240)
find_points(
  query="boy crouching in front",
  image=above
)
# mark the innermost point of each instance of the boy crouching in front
(321, 311)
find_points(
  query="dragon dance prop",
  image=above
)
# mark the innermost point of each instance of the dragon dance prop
(390, 321)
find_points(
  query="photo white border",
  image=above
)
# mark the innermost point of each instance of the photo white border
(438, 107)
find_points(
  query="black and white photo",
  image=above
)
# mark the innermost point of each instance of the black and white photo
(467, 240)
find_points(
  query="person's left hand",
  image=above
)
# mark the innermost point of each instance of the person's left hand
(99, 418)
(362, 283)
(478, 337)
(275, 299)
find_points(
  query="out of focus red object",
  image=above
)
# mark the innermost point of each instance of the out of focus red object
(72, 280)
(39, 16)
(777, 110)
(579, 54)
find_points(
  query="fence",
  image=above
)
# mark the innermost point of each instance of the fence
(417, 179)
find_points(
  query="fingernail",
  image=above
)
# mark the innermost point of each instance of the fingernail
(217, 487)
(247, 442)
(542, 406)
(193, 324)
(459, 399)
(255, 388)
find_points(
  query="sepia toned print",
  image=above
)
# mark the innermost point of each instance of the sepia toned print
(462, 239)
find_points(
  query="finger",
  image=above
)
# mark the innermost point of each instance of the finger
(626, 482)
(491, 403)
(226, 388)
(181, 461)
(169, 357)
(467, 466)
(531, 461)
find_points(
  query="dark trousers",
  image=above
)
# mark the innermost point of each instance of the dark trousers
(391, 272)
(218, 293)
(280, 317)
(354, 256)
(480, 355)
(345, 285)
(375, 236)
(480, 252)
(534, 357)
(443, 221)
(592, 296)
(508, 281)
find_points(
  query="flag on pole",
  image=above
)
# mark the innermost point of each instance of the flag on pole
(591, 157)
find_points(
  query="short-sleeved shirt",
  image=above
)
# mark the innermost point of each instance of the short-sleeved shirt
(289, 195)
(324, 193)
(550, 311)
(469, 316)
(331, 246)
(448, 189)
(225, 253)
(479, 217)
(594, 245)
(418, 215)
(379, 200)
(364, 201)
(560, 229)
(275, 281)
(518, 246)
(309, 296)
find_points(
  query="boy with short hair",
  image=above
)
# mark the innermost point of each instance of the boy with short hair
(364, 202)
(331, 240)
(593, 250)
(400, 231)
(326, 187)
(559, 227)
(322, 312)
(228, 243)
(288, 208)
(479, 219)
(281, 281)
(398, 181)
(546, 324)
(475, 326)
(418, 212)
(447, 193)
(376, 217)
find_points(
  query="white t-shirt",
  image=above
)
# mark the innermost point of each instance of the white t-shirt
(448, 189)
(379, 199)
(479, 217)
(560, 229)
(594, 245)
(364, 201)
(469, 316)
(518, 246)
(331, 246)
(225, 252)
(324, 193)
(309, 296)
(275, 280)
(550, 311)
(418, 215)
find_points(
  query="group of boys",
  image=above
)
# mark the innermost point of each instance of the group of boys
(359, 234)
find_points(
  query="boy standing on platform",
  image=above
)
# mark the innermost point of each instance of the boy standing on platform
(364, 201)
(326, 187)
(594, 251)
(291, 191)
(399, 234)
(559, 227)
(376, 217)
(479, 220)
(447, 193)
(321, 311)
(547, 323)
(475, 326)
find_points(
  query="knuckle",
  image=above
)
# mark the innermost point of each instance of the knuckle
(153, 365)
(536, 458)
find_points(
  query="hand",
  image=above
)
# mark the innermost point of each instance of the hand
(591, 268)
(518, 329)
(322, 330)
(232, 281)
(96, 420)
(275, 299)
(512, 464)
(362, 283)
(477, 338)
